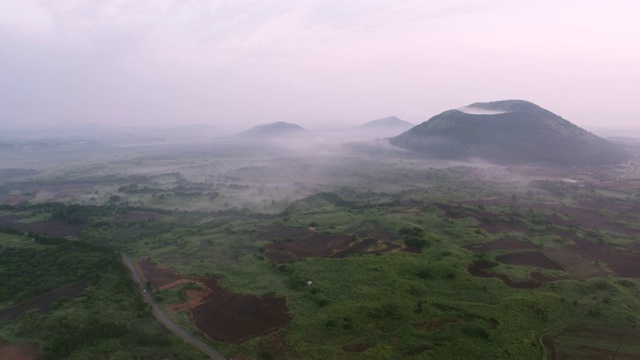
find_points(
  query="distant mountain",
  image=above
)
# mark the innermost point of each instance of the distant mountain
(273, 130)
(390, 122)
(509, 132)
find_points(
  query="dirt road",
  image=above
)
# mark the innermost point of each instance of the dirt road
(165, 319)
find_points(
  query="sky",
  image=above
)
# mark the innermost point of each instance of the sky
(317, 63)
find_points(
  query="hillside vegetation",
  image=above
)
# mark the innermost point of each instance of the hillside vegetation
(509, 132)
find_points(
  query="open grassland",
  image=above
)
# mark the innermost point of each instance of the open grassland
(363, 257)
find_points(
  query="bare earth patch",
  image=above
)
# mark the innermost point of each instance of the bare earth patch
(338, 246)
(507, 243)
(591, 342)
(18, 352)
(50, 228)
(159, 277)
(481, 268)
(218, 313)
(533, 258)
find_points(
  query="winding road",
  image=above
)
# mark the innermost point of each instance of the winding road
(165, 319)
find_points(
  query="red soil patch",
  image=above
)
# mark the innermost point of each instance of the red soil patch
(137, 216)
(507, 243)
(533, 258)
(196, 298)
(18, 352)
(159, 277)
(174, 284)
(217, 312)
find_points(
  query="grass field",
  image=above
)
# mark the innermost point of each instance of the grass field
(387, 243)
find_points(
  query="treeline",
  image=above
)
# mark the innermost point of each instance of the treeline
(80, 214)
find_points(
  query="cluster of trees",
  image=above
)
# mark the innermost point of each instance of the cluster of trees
(414, 236)
(75, 336)
(27, 272)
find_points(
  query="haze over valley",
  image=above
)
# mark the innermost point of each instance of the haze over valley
(319, 180)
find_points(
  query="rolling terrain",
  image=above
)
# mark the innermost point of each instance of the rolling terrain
(261, 253)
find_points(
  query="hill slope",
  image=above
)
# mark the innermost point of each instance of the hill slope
(273, 130)
(391, 122)
(509, 132)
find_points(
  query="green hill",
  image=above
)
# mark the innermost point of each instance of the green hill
(509, 132)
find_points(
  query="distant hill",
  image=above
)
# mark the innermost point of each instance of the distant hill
(509, 132)
(390, 122)
(273, 130)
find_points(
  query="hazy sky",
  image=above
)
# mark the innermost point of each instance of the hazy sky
(313, 62)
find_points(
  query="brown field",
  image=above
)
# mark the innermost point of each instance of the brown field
(218, 313)
(50, 228)
(319, 244)
(532, 258)
(236, 318)
(480, 269)
(593, 342)
(160, 277)
(589, 217)
(581, 261)
(316, 244)
(577, 266)
(507, 243)
(18, 352)
(623, 263)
